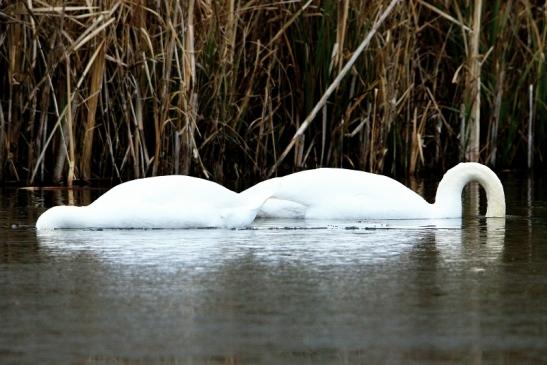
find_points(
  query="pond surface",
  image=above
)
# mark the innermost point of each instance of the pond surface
(468, 291)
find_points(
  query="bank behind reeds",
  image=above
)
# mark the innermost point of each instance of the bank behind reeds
(120, 90)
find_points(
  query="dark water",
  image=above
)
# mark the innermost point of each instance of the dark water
(471, 291)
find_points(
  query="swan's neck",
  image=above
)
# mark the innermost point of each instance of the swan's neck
(448, 202)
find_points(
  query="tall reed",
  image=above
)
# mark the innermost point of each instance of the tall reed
(218, 88)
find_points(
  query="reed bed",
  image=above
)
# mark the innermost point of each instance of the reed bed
(120, 89)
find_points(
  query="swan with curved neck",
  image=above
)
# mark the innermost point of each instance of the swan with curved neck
(160, 202)
(329, 193)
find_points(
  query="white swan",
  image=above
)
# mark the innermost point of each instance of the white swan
(329, 193)
(160, 202)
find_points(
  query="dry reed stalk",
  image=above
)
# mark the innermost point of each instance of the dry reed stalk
(266, 114)
(341, 33)
(373, 132)
(94, 91)
(414, 144)
(189, 97)
(496, 115)
(46, 139)
(416, 150)
(133, 138)
(324, 118)
(41, 135)
(3, 142)
(231, 32)
(140, 151)
(164, 99)
(61, 150)
(70, 125)
(389, 80)
(34, 100)
(472, 151)
(530, 149)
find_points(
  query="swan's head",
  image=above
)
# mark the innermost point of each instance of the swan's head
(63, 216)
(448, 198)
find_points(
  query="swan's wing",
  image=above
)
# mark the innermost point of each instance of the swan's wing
(366, 206)
(262, 196)
(277, 208)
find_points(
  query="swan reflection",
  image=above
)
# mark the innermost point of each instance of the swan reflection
(285, 281)
(297, 241)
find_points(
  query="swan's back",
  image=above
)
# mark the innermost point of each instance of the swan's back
(330, 193)
(178, 190)
(158, 202)
(312, 186)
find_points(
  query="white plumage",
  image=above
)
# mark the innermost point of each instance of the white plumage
(328, 193)
(160, 202)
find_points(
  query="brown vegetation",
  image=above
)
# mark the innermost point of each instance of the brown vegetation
(119, 89)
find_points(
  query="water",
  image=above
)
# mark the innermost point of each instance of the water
(285, 292)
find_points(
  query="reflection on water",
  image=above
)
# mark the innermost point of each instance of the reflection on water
(389, 292)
